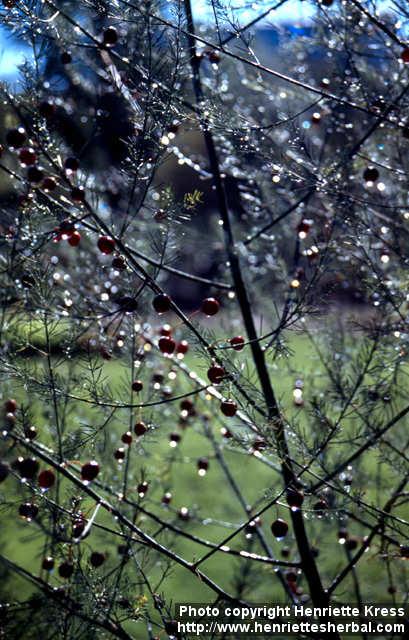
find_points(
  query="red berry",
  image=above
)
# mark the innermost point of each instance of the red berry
(30, 432)
(188, 406)
(166, 330)
(174, 438)
(295, 498)
(352, 544)
(140, 428)
(291, 576)
(167, 345)
(48, 184)
(27, 156)
(74, 239)
(78, 194)
(97, 558)
(167, 498)
(48, 563)
(304, 227)
(142, 488)
(162, 303)
(203, 464)
(46, 479)
(9, 4)
(16, 137)
(279, 528)
(182, 347)
(66, 569)
(106, 245)
(89, 471)
(184, 514)
(320, 506)
(214, 57)
(237, 343)
(228, 408)
(27, 467)
(34, 175)
(216, 373)
(66, 57)
(405, 55)
(110, 37)
(10, 406)
(210, 306)
(404, 550)
(119, 263)
(28, 510)
(127, 437)
(119, 454)
(46, 109)
(137, 385)
(71, 165)
(371, 174)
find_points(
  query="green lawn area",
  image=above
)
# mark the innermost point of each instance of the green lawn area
(210, 497)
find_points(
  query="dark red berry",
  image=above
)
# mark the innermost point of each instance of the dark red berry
(27, 467)
(392, 589)
(27, 156)
(34, 175)
(66, 569)
(119, 454)
(47, 109)
(46, 478)
(295, 498)
(97, 558)
(166, 330)
(4, 471)
(78, 527)
(285, 552)
(371, 174)
(216, 373)
(15, 138)
(71, 165)
(203, 464)
(175, 438)
(162, 303)
(74, 239)
(142, 488)
(140, 428)
(352, 543)
(49, 184)
(28, 510)
(137, 385)
(404, 550)
(119, 263)
(106, 245)
(182, 347)
(279, 528)
(78, 194)
(89, 470)
(110, 37)
(10, 406)
(127, 437)
(30, 432)
(214, 57)
(291, 576)
(320, 506)
(173, 128)
(210, 306)
(405, 55)
(167, 345)
(304, 227)
(237, 343)
(184, 514)
(48, 563)
(188, 406)
(167, 498)
(228, 408)
(66, 57)
(9, 4)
